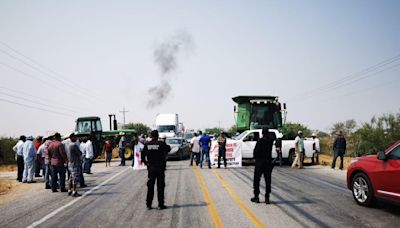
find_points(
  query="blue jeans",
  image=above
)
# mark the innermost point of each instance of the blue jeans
(57, 173)
(87, 165)
(206, 152)
(122, 155)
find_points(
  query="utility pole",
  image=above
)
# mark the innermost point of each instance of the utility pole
(123, 114)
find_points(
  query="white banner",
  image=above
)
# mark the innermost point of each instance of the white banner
(233, 153)
(138, 161)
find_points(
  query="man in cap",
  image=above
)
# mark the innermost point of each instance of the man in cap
(20, 157)
(29, 153)
(299, 150)
(339, 149)
(58, 161)
(316, 148)
(74, 163)
(154, 156)
(263, 158)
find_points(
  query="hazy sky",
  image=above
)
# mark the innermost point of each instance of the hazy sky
(101, 57)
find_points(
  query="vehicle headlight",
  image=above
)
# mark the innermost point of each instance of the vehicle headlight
(174, 150)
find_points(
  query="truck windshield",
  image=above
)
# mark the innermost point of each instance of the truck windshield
(166, 128)
(239, 137)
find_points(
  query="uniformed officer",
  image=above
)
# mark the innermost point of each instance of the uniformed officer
(263, 159)
(154, 156)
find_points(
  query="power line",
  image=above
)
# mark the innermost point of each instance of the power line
(36, 102)
(41, 80)
(33, 107)
(40, 98)
(60, 79)
(352, 78)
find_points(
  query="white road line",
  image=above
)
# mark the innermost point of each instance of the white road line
(47, 217)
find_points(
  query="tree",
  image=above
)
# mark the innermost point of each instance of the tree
(347, 127)
(232, 130)
(214, 130)
(290, 130)
(140, 128)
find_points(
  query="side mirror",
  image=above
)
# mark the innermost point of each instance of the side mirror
(381, 156)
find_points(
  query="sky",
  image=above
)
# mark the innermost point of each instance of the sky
(329, 61)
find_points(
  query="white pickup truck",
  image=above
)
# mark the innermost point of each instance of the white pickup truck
(248, 140)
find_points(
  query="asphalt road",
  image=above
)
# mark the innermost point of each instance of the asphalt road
(312, 197)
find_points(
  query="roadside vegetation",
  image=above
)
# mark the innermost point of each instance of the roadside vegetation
(7, 155)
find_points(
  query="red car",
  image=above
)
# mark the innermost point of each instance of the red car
(376, 176)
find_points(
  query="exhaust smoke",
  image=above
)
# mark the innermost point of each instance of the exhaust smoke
(166, 58)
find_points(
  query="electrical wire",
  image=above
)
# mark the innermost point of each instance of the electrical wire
(60, 79)
(33, 107)
(352, 78)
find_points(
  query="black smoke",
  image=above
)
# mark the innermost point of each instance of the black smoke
(166, 56)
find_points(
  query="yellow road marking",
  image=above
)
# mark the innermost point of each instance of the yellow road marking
(212, 209)
(242, 205)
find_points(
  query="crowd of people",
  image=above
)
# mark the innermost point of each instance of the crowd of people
(59, 158)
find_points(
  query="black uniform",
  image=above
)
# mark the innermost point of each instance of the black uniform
(263, 158)
(154, 155)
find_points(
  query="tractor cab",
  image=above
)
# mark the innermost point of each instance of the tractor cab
(91, 128)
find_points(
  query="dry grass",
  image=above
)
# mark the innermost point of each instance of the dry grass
(8, 168)
(326, 160)
(5, 186)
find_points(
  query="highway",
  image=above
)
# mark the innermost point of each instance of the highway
(115, 197)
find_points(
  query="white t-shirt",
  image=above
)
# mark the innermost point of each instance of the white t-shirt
(89, 149)
(195, 144)
(317, 147)
(138, 148)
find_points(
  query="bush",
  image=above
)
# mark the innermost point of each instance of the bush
(7, 155)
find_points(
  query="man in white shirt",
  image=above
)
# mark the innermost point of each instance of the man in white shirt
(195, 148)
(89, 156)
(29, 153)
(316, 148)
(299, 150)
(19, 156)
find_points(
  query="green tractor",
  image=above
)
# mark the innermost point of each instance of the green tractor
(91, 128)
(256, 112)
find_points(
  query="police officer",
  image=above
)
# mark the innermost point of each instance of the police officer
(263, 158)
(154, 156)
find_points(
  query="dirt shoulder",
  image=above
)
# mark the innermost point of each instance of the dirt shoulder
(10, 188)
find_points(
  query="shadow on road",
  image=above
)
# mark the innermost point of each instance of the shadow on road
(188, 205)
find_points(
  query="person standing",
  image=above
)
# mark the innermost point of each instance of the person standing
(40, 152)
(263, 159)
(20, 157)
(278, 149)
(205, 143)
(122, 147)
(221, 149)
(137, 149)
(339, 149)
(58, 161)
(74, 163)
(38, 160)
(299, 150)
(107, 150)
(195, 148)
(29, 154)
(89, 156)
(47, 159)
(154, 156)
(316, 148)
